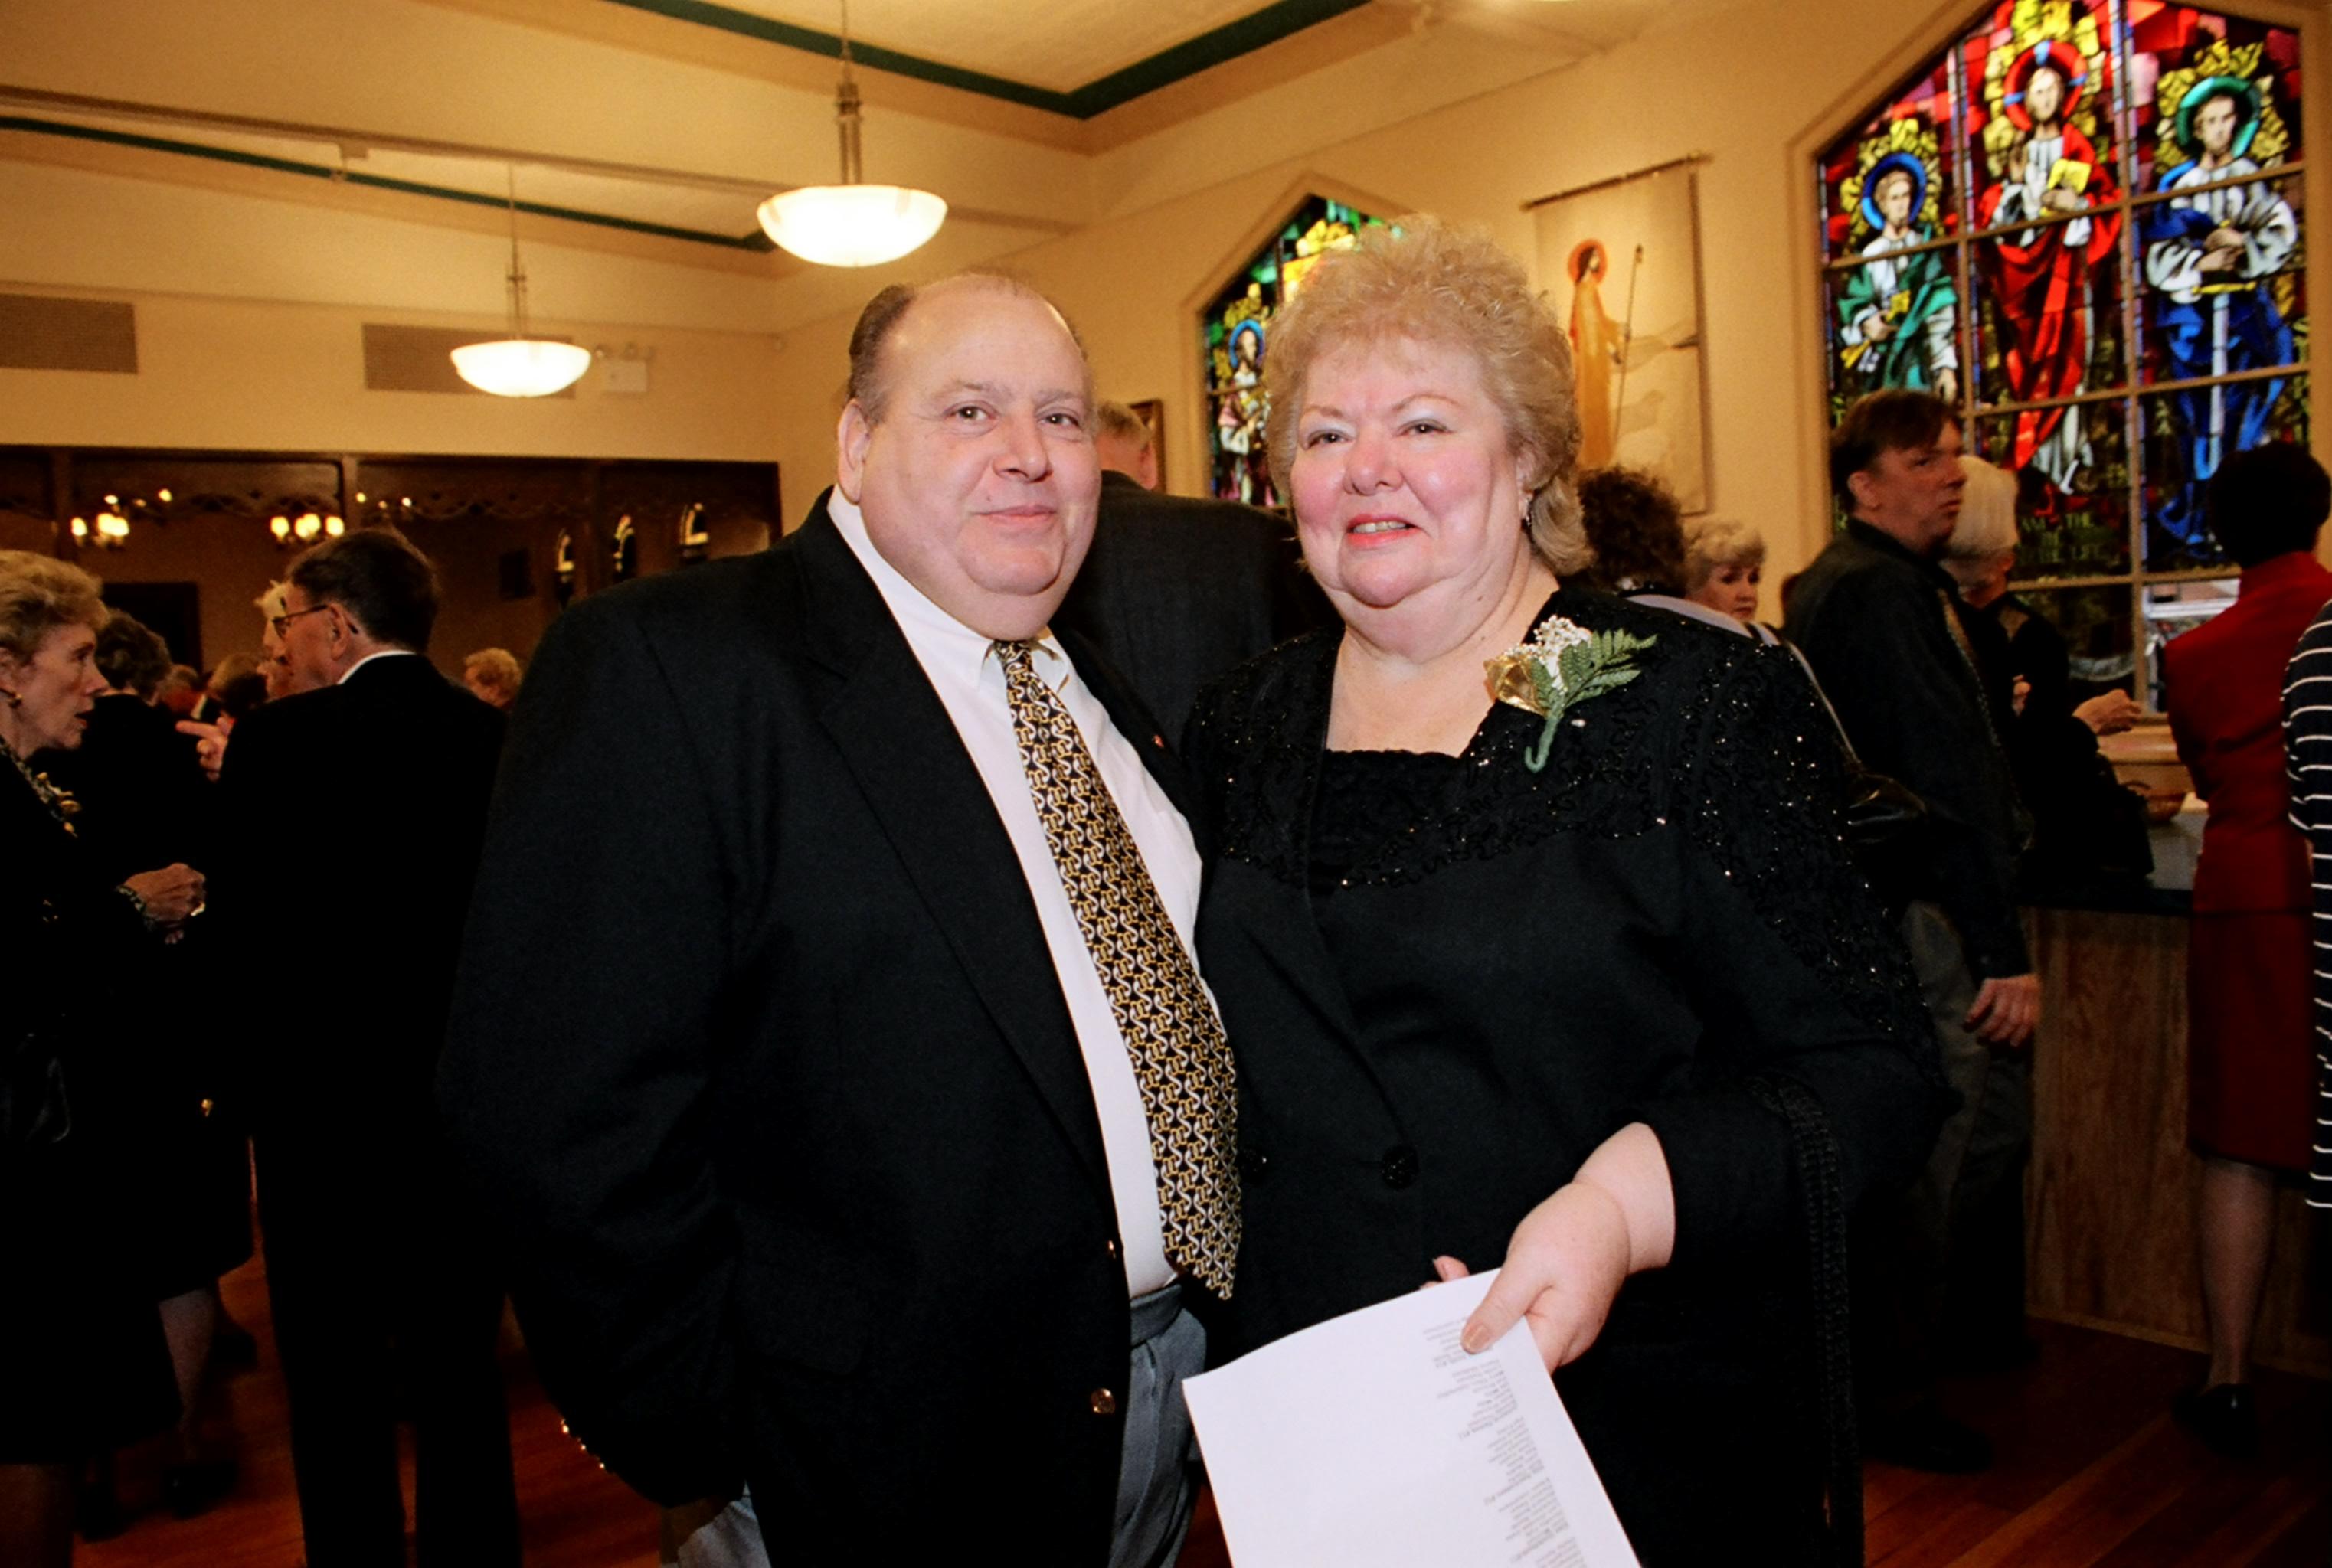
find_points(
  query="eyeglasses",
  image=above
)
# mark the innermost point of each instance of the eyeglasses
(283, 624)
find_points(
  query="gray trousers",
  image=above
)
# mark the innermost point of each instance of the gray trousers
(1157, 1485)
(1960, 1228)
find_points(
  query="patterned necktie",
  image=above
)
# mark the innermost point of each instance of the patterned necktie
(1180, 1059)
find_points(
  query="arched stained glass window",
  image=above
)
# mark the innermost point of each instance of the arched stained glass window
(1237, 336)
(2083, 224)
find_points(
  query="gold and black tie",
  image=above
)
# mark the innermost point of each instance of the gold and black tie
(1180, 1059)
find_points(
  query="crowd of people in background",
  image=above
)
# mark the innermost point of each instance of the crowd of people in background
(768, 1034)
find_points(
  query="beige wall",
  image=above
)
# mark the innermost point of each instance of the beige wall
(250, 307)
(1753, 88)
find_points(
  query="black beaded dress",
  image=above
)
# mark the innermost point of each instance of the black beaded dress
(1448, 979)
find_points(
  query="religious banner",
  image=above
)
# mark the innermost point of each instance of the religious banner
(1622, 262)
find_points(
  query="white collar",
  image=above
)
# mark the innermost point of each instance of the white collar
(384, 653)
(932, 631)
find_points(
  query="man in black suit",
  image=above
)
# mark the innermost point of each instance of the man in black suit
(354, 812)
(1176, 590)
(792, 1049)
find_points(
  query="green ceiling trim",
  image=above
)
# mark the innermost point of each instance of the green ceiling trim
(1266, 24)
(756, 241)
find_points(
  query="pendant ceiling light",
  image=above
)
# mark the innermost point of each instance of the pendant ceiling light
(520, 366)
(851, 224)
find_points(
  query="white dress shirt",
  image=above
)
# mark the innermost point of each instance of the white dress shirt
(962, 669)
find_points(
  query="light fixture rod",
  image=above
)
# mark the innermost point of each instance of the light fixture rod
(432, 147)
(845, 109)
(518, 268)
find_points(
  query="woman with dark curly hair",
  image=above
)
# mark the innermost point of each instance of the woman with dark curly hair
(1635, 528)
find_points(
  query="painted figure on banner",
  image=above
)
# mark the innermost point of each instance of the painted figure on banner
(2215, 264)
(1599, 346)
(2047, 173)
(1898, 315)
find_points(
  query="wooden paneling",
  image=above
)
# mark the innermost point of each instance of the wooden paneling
(2112, 1189)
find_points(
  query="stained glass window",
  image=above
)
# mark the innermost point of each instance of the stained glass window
(2074, 225)
(1238, 333)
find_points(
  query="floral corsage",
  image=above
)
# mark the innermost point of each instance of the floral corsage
(1562, 666)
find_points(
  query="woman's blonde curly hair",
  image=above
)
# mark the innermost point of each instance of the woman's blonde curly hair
(1429, 280)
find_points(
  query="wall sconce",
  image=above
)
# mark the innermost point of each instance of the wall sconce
(109, 530)
(305, 530)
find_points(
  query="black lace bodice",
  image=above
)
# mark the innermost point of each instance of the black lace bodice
(1719, 737)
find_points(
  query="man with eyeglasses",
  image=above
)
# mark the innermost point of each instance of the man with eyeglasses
(355, 810)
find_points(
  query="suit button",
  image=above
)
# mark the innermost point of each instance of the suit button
(1253, 1164)
(1103, 1402)
(1111, 1245)
(1399, 1168)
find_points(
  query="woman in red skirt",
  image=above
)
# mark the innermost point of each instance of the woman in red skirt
(2250, 1069)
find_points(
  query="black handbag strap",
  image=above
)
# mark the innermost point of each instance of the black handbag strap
(1813, 1152)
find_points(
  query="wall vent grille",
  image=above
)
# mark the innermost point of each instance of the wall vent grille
(420, 359)
(45, 332)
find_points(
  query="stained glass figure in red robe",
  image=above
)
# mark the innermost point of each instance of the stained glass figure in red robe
(2048, 174)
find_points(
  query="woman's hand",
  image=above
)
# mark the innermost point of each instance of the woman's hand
(172, 895)
(1570, 1255)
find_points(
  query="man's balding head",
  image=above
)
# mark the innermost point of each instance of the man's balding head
(967, 446)
(871, 338)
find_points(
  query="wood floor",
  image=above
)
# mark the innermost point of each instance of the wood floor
(2092, 1474)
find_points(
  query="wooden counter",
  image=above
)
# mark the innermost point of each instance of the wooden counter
(2111, 1194)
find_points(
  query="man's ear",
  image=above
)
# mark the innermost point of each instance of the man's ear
(1857, 485)
(851, 435)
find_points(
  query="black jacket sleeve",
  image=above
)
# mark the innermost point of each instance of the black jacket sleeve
(577, 1076)
(1917, 716)
(1800, 976)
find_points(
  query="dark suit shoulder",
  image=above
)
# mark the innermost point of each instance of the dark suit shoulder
(1128, 502)
(708, 599)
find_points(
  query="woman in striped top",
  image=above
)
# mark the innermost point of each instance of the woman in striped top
(2307, 745)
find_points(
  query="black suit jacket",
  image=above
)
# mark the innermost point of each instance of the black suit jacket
(351, 822)
(1868, 616)
(1177, 590)
(759, 1059)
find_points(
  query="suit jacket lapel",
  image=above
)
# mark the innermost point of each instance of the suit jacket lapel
(894, 734)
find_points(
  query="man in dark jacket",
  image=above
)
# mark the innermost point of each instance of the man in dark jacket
(1177, 590)
(354, 814)
(1880, 621)
(802, 1045)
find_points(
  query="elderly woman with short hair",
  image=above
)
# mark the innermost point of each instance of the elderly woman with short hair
(493, 676)
(1531, 926)
(82, 1354)
(1723, 564)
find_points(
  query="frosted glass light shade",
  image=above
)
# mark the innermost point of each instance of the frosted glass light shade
(521, 367)
(852, 225)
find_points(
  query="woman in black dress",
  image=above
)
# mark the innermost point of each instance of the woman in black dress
(143, 801)
(1579, 980)
(82, 1363)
